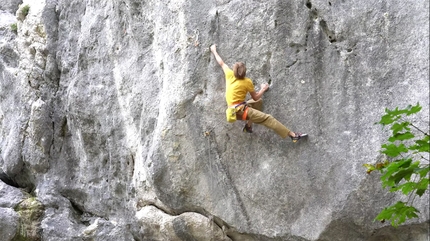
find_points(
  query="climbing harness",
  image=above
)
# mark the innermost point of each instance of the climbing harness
(245, 112)
(232, 110)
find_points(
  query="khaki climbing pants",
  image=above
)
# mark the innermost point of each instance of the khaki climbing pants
(256, 115)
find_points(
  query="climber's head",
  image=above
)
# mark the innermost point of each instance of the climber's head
(239, 70)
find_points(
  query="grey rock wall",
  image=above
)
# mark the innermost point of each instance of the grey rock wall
(112, 118)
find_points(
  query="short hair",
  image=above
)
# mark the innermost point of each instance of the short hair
(239, 70)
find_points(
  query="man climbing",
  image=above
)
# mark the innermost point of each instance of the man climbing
(237, 86)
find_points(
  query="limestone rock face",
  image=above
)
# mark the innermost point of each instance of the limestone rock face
(9, 221)
(10, 5)
(112, 118)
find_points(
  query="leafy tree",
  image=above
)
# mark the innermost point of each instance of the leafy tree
(407, 167)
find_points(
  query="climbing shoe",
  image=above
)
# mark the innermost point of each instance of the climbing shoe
(247, 129)
(297, 136)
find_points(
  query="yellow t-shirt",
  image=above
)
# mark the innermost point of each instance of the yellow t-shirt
(236, 89)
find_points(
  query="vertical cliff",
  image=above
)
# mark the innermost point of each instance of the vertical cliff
(112, 119)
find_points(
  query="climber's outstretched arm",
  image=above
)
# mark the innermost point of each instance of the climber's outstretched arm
(218, 58)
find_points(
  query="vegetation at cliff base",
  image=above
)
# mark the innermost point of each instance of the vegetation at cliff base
(406, 169)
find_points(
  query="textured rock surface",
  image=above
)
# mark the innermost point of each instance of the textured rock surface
(10, 5)
(10, 198)
(9, 222)
(112, 117)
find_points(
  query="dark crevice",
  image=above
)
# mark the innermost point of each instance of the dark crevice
(82, 215)
(331, 36)
(293, 63)
(64, 128)
(227, 229)
(23, 178)
(144, 203)
(308, 4)
(9, 181)
(350, 49)
(307, 37)
(313, 16)
(52, 144)
(131, 164)
(79, 210)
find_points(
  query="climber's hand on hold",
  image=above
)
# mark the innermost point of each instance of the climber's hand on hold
(213, 48)
(264, 87)
(257, 95)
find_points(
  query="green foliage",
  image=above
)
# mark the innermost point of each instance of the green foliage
(25, 10)
(14, 27)
(398, 213)
(408, 169)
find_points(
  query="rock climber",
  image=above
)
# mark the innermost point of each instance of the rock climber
(237, 86)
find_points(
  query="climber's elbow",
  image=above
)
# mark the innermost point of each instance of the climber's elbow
(254, 96)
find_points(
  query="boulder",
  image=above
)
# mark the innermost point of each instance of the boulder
(10, 196)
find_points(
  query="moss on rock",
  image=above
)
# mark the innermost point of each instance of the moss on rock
(30, 212)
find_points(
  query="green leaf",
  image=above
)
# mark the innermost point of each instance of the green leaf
(400, 187)
(390, 180)
(422, 186)
(407, 187)
(401, 163)
(392, 150)
(397, 213)
(422, 171)
(420, 192)
(397, 127)
(386, 120)
(403, 174)
(401, 136)
(414, 109)
(386, 213)
(396, 112)
(422, 145)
